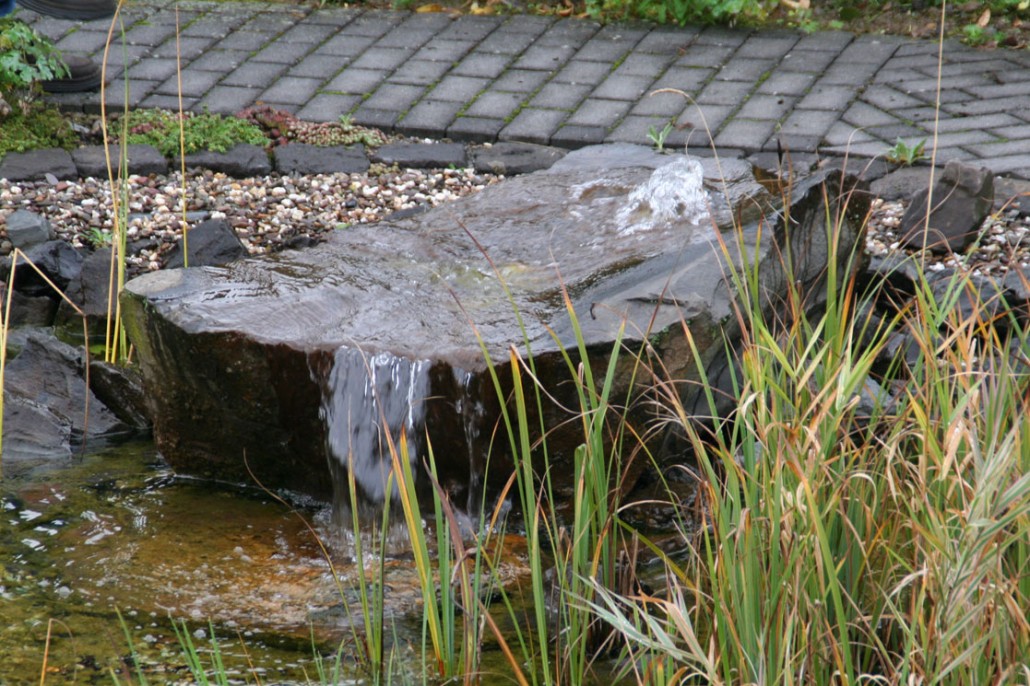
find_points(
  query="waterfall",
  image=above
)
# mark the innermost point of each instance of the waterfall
(674, 192)
(367, 398)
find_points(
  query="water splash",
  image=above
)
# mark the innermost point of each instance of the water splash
(367, 399)
(674, 192)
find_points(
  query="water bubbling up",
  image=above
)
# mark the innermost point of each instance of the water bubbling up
(674, 192)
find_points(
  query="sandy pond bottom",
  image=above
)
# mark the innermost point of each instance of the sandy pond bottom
(116, 531)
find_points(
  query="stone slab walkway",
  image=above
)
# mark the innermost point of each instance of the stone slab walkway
(564, 82)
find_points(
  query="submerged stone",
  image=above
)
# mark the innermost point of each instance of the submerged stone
(275, 367)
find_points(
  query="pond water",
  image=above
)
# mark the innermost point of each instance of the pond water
(117, 532)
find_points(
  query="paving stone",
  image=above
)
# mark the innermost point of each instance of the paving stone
(458, 88)
(521, 81)
(533, 125)
(660, 105)
(888, 99)
(766, 107)
(84, 41)
(704, 55)
(999, 105)
(155, 101)
(599, 50)
(383, 59)
(574, 137)
(767, 47)
(376, 118)
(599, 112)
(229, 99)
(560, 96)
(745, 69)
(215, 60)
(420, 72)
(494, 105)
(154, 69)
(835, 98)
(806, 61)
(745, 133)
(635, 129)
(667, 41)
(829, 41)
(687, 79)
(429, 117)
(543, 57)
(617, 87)
(250, 75)
(701, 117)
(787, 83)
(328, 107)
(568, 31)
(719, 36)
(482, 65)
(505, 43)
(470, 28)
(725, 92)
(450, 51)
(848, 73)
(475, 129)
(290, 90)
(356, 81)
(308, 33)
(645, 65)
(244, 40)
(842, 133)
(321, 67)
(530, 24)
(579, 72)
(116, 98)
(394, 97)
(809, 122)
(242, 161)
(344, 46)
(186, 49)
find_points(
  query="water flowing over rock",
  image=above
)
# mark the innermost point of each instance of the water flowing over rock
(329, 355)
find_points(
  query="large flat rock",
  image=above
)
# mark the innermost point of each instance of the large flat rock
(307, 358)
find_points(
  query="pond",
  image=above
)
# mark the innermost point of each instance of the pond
(117, 533)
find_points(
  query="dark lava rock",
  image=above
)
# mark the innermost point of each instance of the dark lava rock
(120, 388)
(49, 373)
(962, 198)
(302, 359)
(901, 184)
(422, 155)
(242, 161)
(35, 311)
(143, 160)
(211, 244)
(90, 291)
(56, 260)
(514, 158)
(26, 229)
(33, 435)
(1012, 193)
(302, 158)
(37, 164)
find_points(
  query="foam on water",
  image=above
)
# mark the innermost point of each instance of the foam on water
(674, 192)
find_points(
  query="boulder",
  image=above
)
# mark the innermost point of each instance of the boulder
(303, 158)
(90, 290)
(962, 198)
(280, 365)
(56, 264)
(211, 244)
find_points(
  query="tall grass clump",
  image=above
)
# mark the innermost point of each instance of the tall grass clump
(853, 535)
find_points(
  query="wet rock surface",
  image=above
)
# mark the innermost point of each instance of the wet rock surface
(282, 360)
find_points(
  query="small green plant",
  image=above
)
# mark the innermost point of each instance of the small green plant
(976, 35)
(906, 154)
(657, 136)
(31, 126)
(99, 238)
(160, 128)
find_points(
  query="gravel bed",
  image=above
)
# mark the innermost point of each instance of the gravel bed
(268, 213)
(273, 212)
